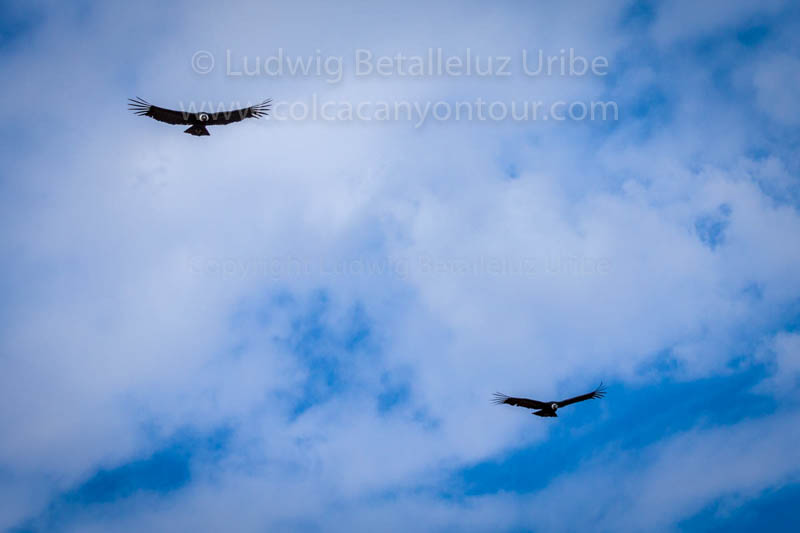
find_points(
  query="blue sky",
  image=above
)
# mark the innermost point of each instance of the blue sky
(297, 324)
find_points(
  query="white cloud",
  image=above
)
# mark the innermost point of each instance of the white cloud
(782, 354)
(776, 81)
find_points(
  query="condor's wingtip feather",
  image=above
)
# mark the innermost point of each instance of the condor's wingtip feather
(138, 101)
(138, 105)
(499, 398)
(262, 109)
(600, 391)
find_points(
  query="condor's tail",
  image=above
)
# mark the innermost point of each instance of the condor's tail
(197, 129)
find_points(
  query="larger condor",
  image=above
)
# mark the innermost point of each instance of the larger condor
(547, 409)
(197, 122)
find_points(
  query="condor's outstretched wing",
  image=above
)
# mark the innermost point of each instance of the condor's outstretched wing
(521, 402)
(142, 108)
(599, 392)
(226, 117)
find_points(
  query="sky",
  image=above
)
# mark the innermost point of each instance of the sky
(297, 322)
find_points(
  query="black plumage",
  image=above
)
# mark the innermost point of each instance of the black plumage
(197, 122)
(547, 409)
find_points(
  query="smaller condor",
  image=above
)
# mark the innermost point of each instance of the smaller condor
(197, 122)
(547, 408)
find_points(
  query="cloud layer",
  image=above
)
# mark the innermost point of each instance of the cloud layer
(297, 325)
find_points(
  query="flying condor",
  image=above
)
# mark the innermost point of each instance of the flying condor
(198, 121)
(547, 408)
